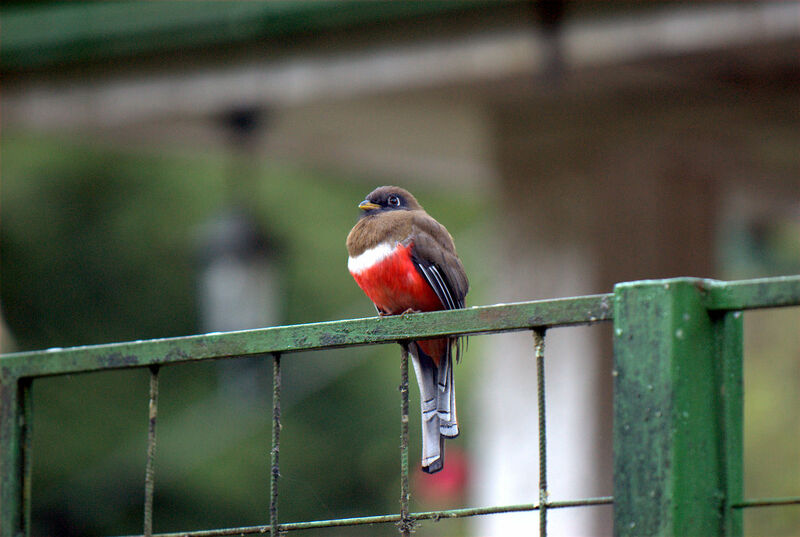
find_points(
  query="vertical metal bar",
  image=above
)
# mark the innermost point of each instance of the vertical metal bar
(149, 477)
(14, 438)
(538, 343)
(275, 451)
(731, 391)
(26, 386)
(406, 524)
(668, 464)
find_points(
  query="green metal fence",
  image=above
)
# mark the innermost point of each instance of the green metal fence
(678, 400)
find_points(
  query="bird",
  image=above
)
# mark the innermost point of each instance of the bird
(406, 262)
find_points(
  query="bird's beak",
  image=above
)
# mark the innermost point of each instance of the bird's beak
(367, 205)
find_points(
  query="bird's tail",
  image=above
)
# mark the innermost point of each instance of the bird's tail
(437, 401)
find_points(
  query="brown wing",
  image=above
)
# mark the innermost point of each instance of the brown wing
(435, 257)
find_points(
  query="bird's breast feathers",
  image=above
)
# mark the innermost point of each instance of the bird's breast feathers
(388, 276)
(369, 257)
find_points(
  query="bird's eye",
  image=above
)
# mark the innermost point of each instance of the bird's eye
(393, 201)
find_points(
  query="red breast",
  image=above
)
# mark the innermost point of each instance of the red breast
(389, 278)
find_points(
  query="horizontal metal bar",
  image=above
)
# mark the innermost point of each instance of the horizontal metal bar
(746, 294)
(301, 337)
(394, 518)
(752, 294)
(775, 292)
(476, 511)
(767, 502)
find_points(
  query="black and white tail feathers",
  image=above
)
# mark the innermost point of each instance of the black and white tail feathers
(437, 394)
(437, 391)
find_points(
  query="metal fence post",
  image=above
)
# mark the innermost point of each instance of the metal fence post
(677, 411)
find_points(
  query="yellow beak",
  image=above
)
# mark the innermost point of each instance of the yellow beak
(367, 205)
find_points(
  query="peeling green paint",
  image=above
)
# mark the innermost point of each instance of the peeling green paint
(303, 337)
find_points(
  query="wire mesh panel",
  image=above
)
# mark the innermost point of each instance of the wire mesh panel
(677, 458)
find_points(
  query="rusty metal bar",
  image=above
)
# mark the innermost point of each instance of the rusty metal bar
(149, 479)
(406, 524)
(275, 470)
(538, 343)
(395, 518)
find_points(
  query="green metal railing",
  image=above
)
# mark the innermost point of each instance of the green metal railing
(678, 400)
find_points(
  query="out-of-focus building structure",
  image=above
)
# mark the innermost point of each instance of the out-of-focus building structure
(616, 139)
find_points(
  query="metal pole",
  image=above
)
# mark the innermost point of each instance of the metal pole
(149, 476)
(538, 342)
(406, 524)
(274, 452)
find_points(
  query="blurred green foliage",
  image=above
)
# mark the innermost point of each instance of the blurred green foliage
(100, 244)
(94, 244)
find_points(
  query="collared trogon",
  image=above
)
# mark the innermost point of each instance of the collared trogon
(405, 261)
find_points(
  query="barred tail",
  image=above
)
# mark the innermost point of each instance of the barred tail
(437, 404)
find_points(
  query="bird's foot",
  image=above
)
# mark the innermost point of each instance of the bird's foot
(410, 310)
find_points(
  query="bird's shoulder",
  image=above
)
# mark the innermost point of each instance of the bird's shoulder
(433, 246)
(428, 234)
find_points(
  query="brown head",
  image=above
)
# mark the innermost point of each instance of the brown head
(388, 213)
(388, 198)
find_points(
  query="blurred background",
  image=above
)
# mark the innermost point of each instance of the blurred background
(172, 168)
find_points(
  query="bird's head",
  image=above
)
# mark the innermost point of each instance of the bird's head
(388, 198)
